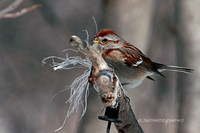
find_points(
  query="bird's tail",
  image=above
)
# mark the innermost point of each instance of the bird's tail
(162, 67)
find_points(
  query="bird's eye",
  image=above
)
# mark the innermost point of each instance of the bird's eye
(105, 40)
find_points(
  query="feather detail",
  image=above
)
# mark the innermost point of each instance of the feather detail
(132, 55)
(105, 32)
(150, 78)
(162, 67)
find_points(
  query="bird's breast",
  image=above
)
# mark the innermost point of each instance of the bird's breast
(131, 78)
(113, 55)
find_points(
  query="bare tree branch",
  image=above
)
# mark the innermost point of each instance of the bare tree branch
(11, 7)
(5, 13)
(130, 123)
(104, 80)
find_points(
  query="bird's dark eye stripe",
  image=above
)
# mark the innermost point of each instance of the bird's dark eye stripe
(116, 42)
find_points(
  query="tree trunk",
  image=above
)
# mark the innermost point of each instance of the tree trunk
(190, 34)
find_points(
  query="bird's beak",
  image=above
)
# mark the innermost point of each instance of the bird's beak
(94, 41)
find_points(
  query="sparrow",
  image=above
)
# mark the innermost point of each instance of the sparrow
(129, 63)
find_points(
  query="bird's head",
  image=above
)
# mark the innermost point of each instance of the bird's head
(108, 39)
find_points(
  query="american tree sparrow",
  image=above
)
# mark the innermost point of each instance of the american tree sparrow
(129, 63)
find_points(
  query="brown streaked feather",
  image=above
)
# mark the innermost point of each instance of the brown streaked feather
(130, 46)
(132, 55)
(127, 56)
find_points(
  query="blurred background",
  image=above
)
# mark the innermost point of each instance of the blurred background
(167, 31)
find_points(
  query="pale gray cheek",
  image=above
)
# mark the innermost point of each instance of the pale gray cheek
(120, 43)
(105, 47)
(112, 45)
(108, 45)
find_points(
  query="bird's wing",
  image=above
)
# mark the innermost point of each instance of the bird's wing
(132, 55)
